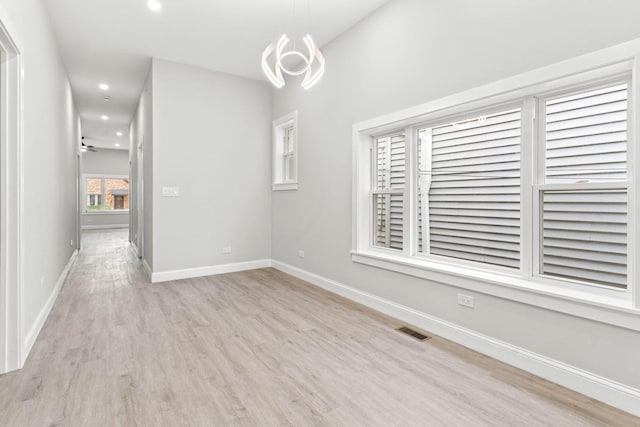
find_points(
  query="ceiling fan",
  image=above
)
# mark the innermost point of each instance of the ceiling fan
(86, 147)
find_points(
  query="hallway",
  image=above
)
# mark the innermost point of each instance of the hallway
(255, 348)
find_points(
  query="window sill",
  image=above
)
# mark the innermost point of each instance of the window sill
(284, 186)
(124, 212)
(616, 311)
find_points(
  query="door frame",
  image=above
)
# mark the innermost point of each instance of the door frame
(11, 200)
(140, 198)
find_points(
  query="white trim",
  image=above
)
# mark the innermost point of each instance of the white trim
(166, 276)
(611, 392)
(284, 186)
(11, 185)
(105, 227)
(32, 335)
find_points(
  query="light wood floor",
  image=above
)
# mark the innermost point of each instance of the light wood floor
(256, 348)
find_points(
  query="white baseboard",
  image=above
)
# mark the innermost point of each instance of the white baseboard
(165, 276)
(147, 270)
(613, 393)
(105, 227)
(32, 335)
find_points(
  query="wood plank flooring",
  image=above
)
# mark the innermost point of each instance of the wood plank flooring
(257, 348)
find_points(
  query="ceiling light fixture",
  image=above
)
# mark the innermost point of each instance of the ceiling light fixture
(154, 5)
(104, 117)
(103, 86)
(117, 145)
(119, 133)
(310, 63)
(274, 54)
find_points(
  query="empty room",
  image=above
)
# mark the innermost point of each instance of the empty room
(319, 213)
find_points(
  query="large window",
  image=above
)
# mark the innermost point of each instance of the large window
(531, 189)
(104, 193)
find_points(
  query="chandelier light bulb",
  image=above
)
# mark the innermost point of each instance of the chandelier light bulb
(312, 64)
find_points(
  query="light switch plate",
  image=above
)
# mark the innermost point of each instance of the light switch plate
(170, 191)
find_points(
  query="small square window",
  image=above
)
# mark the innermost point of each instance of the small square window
(285, 152)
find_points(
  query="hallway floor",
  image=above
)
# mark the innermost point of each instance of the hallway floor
(257, 348)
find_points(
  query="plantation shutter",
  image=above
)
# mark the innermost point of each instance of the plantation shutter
(474, 196)
(585, 231)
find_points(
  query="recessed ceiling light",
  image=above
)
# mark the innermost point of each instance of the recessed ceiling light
(107, 98)
(119, 133)
(105, 117)
(103, 86)
(117, 145)
(154, 5)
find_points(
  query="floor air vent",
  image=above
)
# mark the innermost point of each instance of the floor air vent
(415, 334)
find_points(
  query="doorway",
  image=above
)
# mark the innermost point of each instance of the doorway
(10, 202)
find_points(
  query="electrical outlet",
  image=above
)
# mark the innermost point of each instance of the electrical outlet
(71, 243)
(42, 282)
(465, 300)
(226, 250)
(300, 254)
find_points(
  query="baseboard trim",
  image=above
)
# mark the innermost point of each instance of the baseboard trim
(33, 333)
(165, 276)
(611, 392)
(105, 227)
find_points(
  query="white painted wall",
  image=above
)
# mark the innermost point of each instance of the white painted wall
(51, 141)
(105, 162)
(212, 139)
(407, 53)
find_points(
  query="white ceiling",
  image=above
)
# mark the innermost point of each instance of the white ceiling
(112, 41)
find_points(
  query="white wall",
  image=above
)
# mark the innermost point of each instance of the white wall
(212, 139)
(51, 141)
(407, 53)
(105, 162)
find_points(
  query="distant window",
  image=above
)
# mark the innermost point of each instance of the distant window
(106, 193)
(285, 152)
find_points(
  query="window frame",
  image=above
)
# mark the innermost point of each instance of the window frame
(280, 128)
(102, 210)
(614, 306)
(539, 185)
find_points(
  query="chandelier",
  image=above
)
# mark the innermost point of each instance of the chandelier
(311, 65)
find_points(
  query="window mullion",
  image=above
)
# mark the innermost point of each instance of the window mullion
(528, 168)
(539, 168)
(103, 193)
